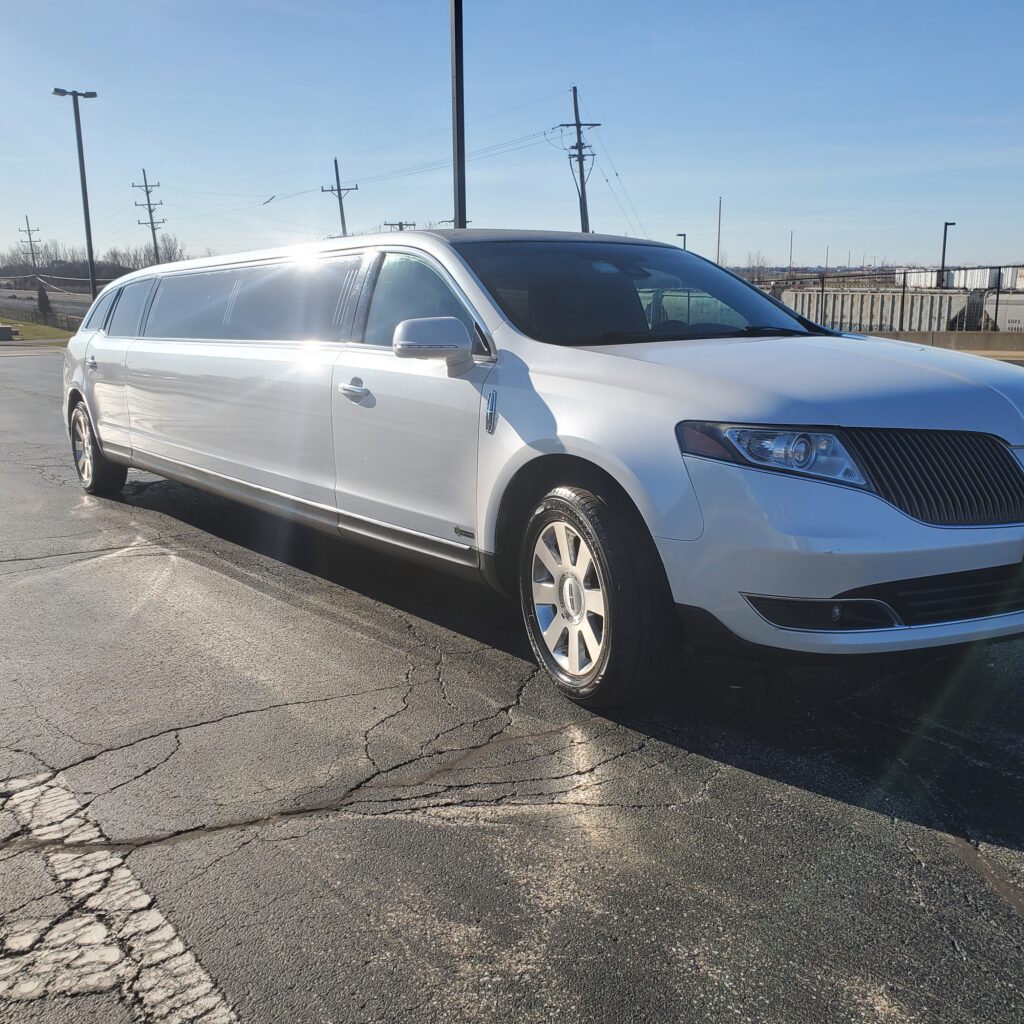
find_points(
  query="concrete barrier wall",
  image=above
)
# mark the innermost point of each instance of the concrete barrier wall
(969, 341)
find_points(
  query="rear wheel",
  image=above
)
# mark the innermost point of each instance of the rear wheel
(98, 475)
(595, 600)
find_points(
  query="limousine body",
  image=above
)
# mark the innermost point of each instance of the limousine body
(638, 444)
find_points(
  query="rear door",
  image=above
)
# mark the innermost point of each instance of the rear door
(105, 359)
(407, 444)
(233, 375)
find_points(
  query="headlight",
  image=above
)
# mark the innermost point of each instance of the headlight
(789, 449)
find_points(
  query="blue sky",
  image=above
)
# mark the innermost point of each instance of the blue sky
(859, 126)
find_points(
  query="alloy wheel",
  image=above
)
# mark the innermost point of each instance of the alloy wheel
(568, 598)
(81, 443)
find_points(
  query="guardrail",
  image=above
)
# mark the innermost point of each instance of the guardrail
(62, 321)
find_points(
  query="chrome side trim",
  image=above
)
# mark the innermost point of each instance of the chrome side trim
(117, 452)
(491, 416)
(323, 517)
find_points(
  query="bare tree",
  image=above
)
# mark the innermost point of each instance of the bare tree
(758, 268)
(170, 248)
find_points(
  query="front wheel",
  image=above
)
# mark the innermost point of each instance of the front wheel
(595, 600)
(97, 474)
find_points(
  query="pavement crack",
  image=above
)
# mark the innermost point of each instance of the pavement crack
(71, 554)
(176, 731)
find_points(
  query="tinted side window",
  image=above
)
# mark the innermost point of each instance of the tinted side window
(292, 301)
(192, 305)
(407, 288)
(98, 314)
(128, 312)
(281, 302)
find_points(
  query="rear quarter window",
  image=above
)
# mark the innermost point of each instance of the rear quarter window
(127, 316)
(97, 316)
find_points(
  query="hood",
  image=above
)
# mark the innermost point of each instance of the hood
(823, 380)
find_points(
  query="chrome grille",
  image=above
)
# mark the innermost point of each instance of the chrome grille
(943, 477)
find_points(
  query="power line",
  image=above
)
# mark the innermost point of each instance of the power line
(615, 196)
(578, 152)
(615, 171)
(149, 204)
(30, 231)
(340, 193)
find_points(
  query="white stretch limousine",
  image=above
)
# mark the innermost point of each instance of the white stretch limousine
(637, 443)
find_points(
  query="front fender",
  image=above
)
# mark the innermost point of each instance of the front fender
(626, 436)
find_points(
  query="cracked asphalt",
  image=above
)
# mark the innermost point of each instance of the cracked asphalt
(249, 773)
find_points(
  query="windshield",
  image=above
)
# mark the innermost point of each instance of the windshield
(593, 293)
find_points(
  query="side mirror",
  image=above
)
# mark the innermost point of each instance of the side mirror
(435, 337)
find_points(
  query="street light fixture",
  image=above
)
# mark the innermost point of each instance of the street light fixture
(75, 96)
(946, 225)
(682, 235)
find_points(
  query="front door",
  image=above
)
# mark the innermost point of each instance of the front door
(406, 432)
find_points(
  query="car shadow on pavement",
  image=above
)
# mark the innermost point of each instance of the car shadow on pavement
(464, 606)
(939, 742)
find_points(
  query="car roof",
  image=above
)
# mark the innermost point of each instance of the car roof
(430, 239)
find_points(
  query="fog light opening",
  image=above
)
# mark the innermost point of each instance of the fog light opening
(824, 616)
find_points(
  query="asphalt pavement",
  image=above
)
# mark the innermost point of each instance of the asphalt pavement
(248, 772)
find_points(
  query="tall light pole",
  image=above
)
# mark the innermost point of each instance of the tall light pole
(946, 225)
(682, 235)
(718, 243)
(75, 95)
(458, 117)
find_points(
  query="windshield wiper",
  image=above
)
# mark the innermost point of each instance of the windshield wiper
(770, 329)
(621, 338)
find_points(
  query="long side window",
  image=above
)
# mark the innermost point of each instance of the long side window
(278, 302)
(293, 301)
(191, 305)
(407, 289)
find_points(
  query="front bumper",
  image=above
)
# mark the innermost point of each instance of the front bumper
(772, 534)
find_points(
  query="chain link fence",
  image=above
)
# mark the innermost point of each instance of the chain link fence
(30, 316)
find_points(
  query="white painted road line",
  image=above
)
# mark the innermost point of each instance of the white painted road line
(110, 936)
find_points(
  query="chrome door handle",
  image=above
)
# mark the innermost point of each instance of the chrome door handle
(354, 390)
(91, 362)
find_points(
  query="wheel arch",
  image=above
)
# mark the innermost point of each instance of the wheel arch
(528, 484)
(75, 396)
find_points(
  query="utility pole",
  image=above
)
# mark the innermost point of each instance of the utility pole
(30, 231)
(718, 244)
(578, 152)
(90, 95)
(149, 204)
(682, 235)
(340, 193)
(458, 117)
(399, 225)
(790, 252)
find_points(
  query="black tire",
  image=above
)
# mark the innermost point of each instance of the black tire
(97, 474)
(639, 639)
